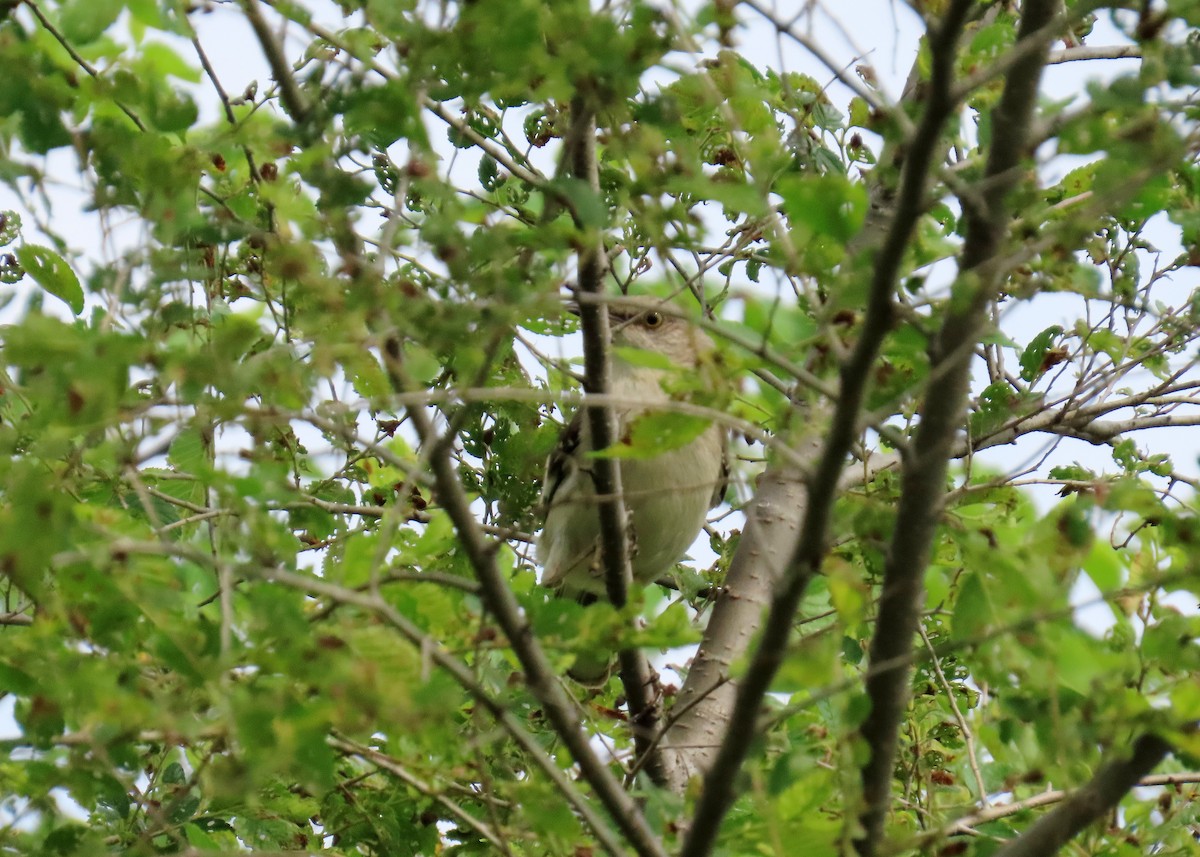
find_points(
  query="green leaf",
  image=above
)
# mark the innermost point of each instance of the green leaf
(1103, 565)
(368, 376)
(50, 271)
(1034, 357)
(188, 452)
(827, 205)
(164, 61)
(13, 680)
(653, 434)
(83, 21)
(734, 196)
(585, 203)
(644, 358)
(974, 610)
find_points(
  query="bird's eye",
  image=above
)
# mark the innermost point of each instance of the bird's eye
(653, 319)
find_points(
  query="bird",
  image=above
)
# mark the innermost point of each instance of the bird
(668, 494)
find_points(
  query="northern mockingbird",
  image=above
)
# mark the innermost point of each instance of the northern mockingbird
(668, 495)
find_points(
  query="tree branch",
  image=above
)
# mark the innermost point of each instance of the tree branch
(708, 695)
(1034, 46)
(871, 96)
(923, 481)
(393, 767)
(289, 91)
(968, 823)
(807, 555)
(1092, 802)
(579, 154)
(1097, 52)
(462, 674)
(557, 704)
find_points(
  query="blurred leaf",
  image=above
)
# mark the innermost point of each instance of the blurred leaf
(655, 433)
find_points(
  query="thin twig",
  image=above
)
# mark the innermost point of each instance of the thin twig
(392, 766)
(463, 675)
(224, 98)
(968, 823)
(1090, 803)
(1094, 52)
(963, 726)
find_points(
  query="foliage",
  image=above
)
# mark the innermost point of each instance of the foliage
(242, 610)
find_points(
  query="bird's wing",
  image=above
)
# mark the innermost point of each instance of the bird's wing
(723, 479)
(562, 464)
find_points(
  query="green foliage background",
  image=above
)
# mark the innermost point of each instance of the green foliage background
(225, 570)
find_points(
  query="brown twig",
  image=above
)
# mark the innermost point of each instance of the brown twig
(1095, 800)
(579, 154)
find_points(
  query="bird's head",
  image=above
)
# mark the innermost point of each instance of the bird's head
(653, 324)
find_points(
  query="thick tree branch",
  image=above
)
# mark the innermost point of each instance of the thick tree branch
(708, 696)
(923, 485)
(1092, 802)
(823, 487)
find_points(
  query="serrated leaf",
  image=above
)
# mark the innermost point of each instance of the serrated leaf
(51, 271)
